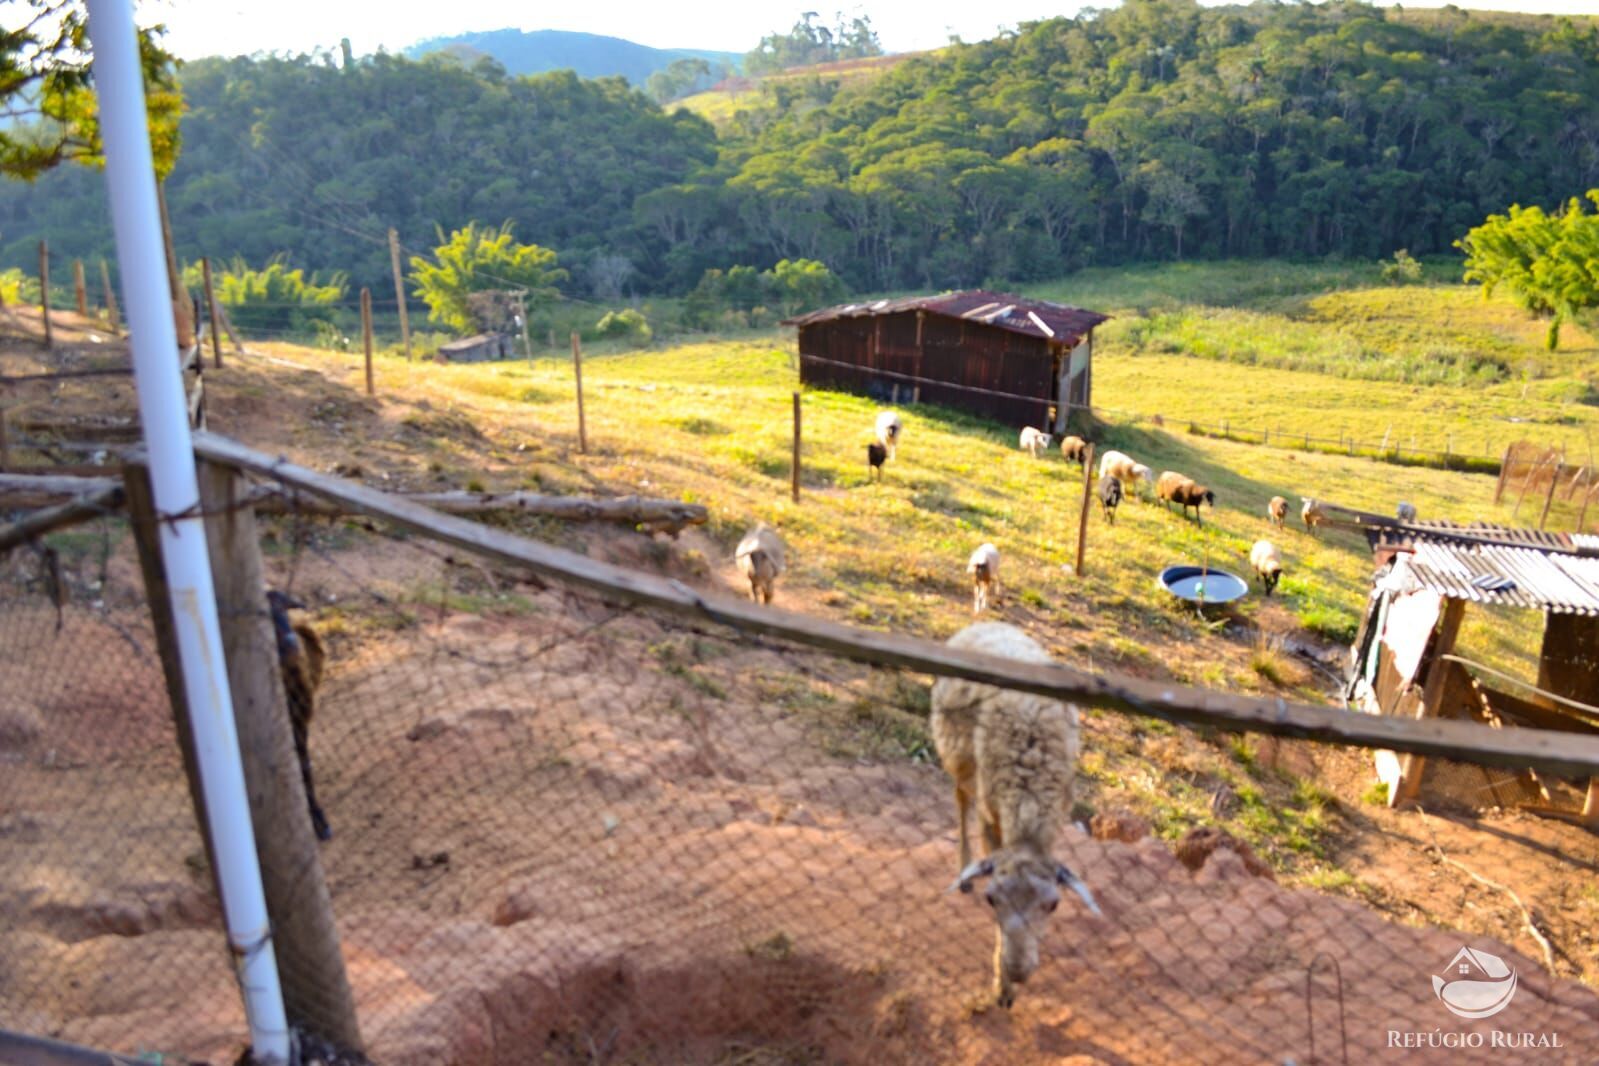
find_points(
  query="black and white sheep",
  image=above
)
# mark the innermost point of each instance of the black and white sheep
(1110, 495)
(760, 558)
(1014, 756)
(301, 661)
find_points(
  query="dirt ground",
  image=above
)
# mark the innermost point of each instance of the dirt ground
(565, 832)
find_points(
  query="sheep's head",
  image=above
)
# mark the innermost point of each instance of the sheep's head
(1023, 891)
(1210, 498)
(1143, 473)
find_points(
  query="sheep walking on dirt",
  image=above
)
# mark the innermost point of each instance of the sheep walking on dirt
(1184, 491)
(875, 455)
(1014, 755)
(889, 430)
(1123, 468)
(984, 568)
(1312, 514)
(1110, 494)
(1074, 449)
(1034, 441)
(1277, 511)
(301, 660)
(1268, 564)
(760, 558)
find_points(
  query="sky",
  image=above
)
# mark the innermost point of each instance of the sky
(231, 27)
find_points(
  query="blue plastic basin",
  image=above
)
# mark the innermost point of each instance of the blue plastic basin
(1198, 585)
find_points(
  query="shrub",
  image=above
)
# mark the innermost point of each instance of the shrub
(626, 324)
(1402, 269)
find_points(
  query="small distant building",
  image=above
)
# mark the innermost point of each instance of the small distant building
(477, 349)
(1406, 662)
(1018, 361)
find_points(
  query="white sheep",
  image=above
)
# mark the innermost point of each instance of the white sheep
(1406, 512)
(1125, 469)
(1034, 440)
(1015, 755)
(1268, 564)
(889, 430)
(984, 568)
(760, 558)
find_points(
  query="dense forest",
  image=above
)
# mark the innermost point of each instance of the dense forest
(1160, 129)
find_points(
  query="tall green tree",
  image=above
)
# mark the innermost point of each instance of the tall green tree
(478, 259)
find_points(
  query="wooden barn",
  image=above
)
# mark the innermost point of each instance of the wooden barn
(1021, 362)
(1406, 660)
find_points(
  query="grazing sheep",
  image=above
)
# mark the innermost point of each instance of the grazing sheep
(1034, 440)
(889, 430)
(984, 568)
(301, 659)
(1175, 488)
(1122, 467)
(1268, 564)
(1277, 511)
(760, 558)
(1312, 514)
(1074, 449)
(1015, 755)
(1406, 511)
(1110, 494)
(875, 454)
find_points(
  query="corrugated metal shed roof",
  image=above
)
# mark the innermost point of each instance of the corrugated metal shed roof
(1499, 565)
(1035, 318)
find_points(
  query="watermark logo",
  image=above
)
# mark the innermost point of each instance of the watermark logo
(1475, 984)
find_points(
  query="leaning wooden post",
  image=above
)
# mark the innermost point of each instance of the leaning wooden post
(1504, 472)
(1554, 479)
(1088, 500)
(577, 371)
(110, 298)
(316, 989)
(79, 290)
(794, 489)
(44, 293)
(366, 337)
(211, 312)
(1582, 516)
(399, 292)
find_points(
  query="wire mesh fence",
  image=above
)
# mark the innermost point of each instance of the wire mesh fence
(570, 829)
(1561, 495)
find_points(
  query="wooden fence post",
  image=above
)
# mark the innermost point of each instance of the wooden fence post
(1088, 501)
(1504, 472)
(211, 312)
(1582, 516)
(577, 373)
(79, 290)
(44, 293)
(110, 298)
(399, 292)
(316, 989)
(795, 473)
(1554, 479)
(1432, 691)
(5, 442)
(366, 338)
(1526, 482)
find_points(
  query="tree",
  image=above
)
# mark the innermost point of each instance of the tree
(681, 78)
(1548, 263)
(48, 102)
(802, 285)
(808, 44)
(274, 298)
(480, 259)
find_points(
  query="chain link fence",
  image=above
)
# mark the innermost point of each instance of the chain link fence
(567, 829)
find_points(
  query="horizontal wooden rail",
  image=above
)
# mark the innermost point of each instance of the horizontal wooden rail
(934, 382)
(85, 508)
(1563, 754)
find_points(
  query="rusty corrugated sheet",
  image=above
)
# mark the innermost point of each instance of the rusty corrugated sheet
(1032, 318)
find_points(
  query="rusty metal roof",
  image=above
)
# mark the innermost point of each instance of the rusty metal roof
(1033, 318)
(1498, 565)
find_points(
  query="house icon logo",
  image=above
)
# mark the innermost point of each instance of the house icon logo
(1475, 984)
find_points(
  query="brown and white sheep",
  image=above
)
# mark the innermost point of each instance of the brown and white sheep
(1125, 469)
(1074, 449)
(1277, 511)
(1268, 564)
(1013, 755)
(760, 558)
(1033, 441)
(984, 568)
(301, 662)
(1312, 514)
(1184, 491)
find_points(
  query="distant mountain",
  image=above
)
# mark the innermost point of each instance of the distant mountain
(590, 54)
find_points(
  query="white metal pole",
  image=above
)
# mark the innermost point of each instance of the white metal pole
(130, 174)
